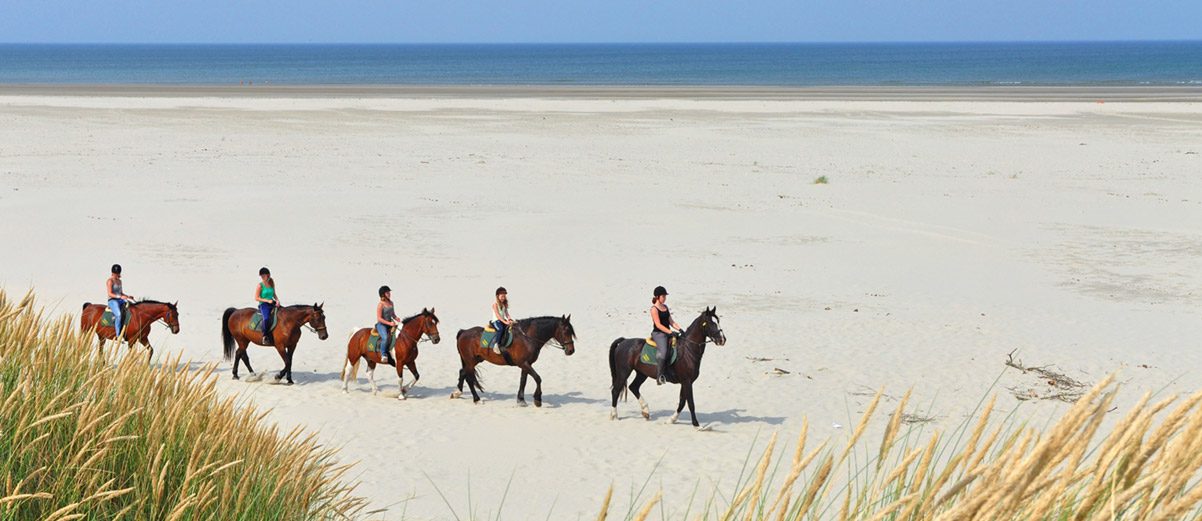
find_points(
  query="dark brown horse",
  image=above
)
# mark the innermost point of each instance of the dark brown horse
(529, 337)
(405, 351)
(136, 326)
(235, 327)
(624, 358)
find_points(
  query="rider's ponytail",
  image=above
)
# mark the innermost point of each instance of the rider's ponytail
(270, 282)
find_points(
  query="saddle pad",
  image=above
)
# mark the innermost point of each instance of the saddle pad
(489, 332)
(373, 342)
(256, 320)
(649, 349)
(106, 320)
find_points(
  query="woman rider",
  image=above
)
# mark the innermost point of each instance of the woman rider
(385, 321)
(500, 318)
(661, 319)
(115, 298)
(266, 297)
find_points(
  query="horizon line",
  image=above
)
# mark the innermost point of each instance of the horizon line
(697, 42)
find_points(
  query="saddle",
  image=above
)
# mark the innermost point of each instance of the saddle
(107, 319)
(373, 341)
(256, 320)
(489, 332)
(650, 348)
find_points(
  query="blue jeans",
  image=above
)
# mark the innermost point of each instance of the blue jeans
(265, 310)
(385, 337)
(115, 307)
(501, 329)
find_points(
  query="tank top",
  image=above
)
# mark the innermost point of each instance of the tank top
(387, 313)
(266, 292)
(117, 288)
(665, 319)
(502, 312)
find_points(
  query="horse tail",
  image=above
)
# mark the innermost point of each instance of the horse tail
(613, 366)
(227, 338)
(350, 371)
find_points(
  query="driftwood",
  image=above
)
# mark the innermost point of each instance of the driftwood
(1061, 386)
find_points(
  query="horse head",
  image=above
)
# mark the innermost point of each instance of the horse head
(431, 329)
(172, 317)
(565, 335)
(710, 327)
(317, 319)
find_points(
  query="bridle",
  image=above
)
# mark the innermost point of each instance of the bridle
(421, 337)
(559, 346)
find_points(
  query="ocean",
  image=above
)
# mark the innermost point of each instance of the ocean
(808, 64)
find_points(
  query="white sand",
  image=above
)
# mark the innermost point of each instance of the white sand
(950, 234)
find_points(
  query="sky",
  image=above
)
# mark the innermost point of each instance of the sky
(571, 21)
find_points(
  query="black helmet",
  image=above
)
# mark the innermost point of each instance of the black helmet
(384, 289)
(264, 271)
(659, 290)
(501, 291)
(117, 269)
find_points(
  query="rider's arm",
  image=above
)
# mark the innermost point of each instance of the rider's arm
(677, 326)
(109, 289)
(658, 325)
(509, 321)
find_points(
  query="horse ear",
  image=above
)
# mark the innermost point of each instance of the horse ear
(431, 311)
(569, 319)
(425, 311)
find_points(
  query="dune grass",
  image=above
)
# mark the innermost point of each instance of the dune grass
(84, 436)
(1092, 463)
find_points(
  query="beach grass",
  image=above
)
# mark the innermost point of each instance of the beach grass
(91, 436)
(1093, 462)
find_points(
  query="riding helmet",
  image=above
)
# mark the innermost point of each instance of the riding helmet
(117, 269)
(659, 290)
(264, 271)
(501, 291)
(384, 289)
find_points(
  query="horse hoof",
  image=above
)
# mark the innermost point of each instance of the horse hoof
(235, 377)
(538, 403)
(674, 418)
(401, 397)
(646, 414)
(613, 415)
(704, 428)
(455, 395)
(521, 403)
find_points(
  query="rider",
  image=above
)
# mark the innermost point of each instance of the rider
(116, 297)
(385, 321)
(661, 319)
(500, 318)
(266, 297)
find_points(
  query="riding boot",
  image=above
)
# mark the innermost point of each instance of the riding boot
(386, 355)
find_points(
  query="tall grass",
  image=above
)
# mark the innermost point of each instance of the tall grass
(109, 437)
(1141, 464)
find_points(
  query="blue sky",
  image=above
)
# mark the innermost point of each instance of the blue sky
(450, 21)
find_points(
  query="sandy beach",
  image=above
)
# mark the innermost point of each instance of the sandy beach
(1058, 227)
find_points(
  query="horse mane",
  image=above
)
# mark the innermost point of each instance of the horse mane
(298, 306)
(415, 315)
(543, 323)
(152, 301)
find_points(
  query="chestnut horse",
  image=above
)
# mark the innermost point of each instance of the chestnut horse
(529, 337)
(137, 324)
(405, 351)
(235, 327)
(624, 357)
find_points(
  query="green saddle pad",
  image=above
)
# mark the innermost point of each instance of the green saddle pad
(649, 349)
(106, 320)
(488, 334)
(373, 341)
(256, 320)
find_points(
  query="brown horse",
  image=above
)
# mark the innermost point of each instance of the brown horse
(529, 337)
(407, 338)
(624, 358)
(136, 326)
(235, 327)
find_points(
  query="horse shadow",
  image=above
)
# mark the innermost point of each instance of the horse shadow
(733, 416)
(570, 398)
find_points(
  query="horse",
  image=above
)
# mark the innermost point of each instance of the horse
(624, 358)
(529, 336)
(407, 337)
(235, 327)
(136, 324)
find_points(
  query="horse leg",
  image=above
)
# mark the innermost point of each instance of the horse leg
(100, 348)
(522, 389)
(288, 363)
(245, 359)
(679, 406)
(471, 382)
(538, 386)
(149, 350)
(688, 390)
(412, 369)
(459, 387)
(371, 377)
(616, 387)
(283, 352)
(635, 387)
(239, 356)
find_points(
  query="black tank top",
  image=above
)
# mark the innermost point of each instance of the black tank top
(665, 318)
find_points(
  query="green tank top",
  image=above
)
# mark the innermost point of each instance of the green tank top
(266, 292)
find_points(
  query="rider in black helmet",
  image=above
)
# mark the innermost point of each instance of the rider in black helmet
(661, 333)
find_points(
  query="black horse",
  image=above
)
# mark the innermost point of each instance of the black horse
(624, 358)
(529, 337)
